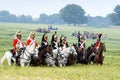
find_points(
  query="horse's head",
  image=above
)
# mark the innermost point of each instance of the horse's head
(49, 50)
(21, 51)
(73, 50)
(91, 49)
(103, 47)
(76, 48)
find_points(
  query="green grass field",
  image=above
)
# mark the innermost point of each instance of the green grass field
(110, 70)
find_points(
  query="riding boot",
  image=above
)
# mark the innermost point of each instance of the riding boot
(16, 60)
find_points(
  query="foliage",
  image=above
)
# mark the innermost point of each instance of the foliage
(98, 21)
(73, 14)
(115, 17)
(51, 19)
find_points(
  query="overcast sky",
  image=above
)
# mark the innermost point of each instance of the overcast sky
(36, 7)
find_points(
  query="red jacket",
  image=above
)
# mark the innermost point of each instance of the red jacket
(17, 42)
(97, 44)
(29, 41)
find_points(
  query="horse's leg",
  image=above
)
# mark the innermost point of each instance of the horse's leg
(3, 59)
(22, 63)
(9, 57)
(9, 61)
(28, 64)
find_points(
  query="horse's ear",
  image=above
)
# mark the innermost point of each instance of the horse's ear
(73, 44)
(104, 43)
(49, 45)
(91, 44)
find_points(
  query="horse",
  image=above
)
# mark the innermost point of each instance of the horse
(89, 53)
(80, 54)
(99, 54)
(72, 58)
(49, 60)
(25, 57)
(42, 56)
(11, 57)
(67, 56)
(61, 60)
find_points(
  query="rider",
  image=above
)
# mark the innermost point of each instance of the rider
(97, 44)
(44, 40)
(55, 34)
(31, 40)
(64, 43)
(81, 43)
(54, 43)
(17, 44)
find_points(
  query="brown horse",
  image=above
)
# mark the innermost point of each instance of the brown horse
(80, 54)
(88, 53)
(42, 51)
(99, 54)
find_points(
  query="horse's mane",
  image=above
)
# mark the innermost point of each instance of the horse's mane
(41, 48)
(88, 49)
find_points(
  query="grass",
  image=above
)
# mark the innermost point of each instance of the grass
(109, 71)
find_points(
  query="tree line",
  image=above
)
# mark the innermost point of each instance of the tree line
(70, 14)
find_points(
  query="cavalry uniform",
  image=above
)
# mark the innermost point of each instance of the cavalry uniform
(17, 44)
(64, 44)
(44, 40)
(54, 42)
(44, 43)
(97, 44)
(54, 45)
(99, 36)
(53, 36)
(30, 42)
(81, 43)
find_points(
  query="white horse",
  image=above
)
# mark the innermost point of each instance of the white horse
(49, 60)
(25, 58)
(69, 50)
(8, 56)
(62, 54)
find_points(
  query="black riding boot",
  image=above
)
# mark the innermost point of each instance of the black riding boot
(17, 64)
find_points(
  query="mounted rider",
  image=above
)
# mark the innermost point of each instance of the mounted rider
(97, 44)
(44, 40)
(53, 36)
(55, 43)
(17, 44)
(81, 43)
(31, 42)
(64, 43)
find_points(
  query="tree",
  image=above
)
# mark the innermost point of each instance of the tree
(24, 19)
(54, 19)
(115, 17)
(43, 19)
(73, 14)
(50, 19)
(98, 21)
